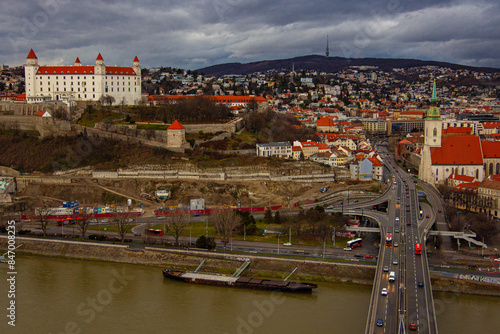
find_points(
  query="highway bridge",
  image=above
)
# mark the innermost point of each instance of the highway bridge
(408, 305)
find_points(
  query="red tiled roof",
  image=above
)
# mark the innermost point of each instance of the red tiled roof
(375, 162)
(99, 57)
(175, 126)
(136, 59)
(31, 55)
(323, 146)
(458, 177)
(452, 130)
(296, 148)
(40, 113)
(325, 121)
(120, 70)
(491, 149)
(467, 186)
(47, 70)
(458, 150)
(77, 61)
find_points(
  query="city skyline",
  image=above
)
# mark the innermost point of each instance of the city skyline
(196, 34)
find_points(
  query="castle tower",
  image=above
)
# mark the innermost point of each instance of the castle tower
(30, 70)
(176, 135)
(432, 134)
(136, 66)
(99, 67)
(77, 62)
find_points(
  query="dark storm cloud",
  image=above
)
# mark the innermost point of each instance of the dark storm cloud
(194, 34)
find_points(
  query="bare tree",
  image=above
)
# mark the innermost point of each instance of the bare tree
(83, 221)
(107, 123)
(225, 223)
(43, 213)
(124, 224)
(178, 222)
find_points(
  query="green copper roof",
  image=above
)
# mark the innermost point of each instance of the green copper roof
(433, 111)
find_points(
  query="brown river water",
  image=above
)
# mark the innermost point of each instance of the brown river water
(56, 296)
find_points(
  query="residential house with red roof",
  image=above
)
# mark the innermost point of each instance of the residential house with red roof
(119, 85)
(456, 179)
(488, 192)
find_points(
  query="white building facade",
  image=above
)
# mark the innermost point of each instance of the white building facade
(108, 84)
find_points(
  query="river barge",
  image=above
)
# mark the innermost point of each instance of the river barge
(238, 282)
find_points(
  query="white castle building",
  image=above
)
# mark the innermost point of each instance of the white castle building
(112, 84)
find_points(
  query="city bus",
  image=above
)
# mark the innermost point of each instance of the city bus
(418, 249)
(388, 239)
(65, 221)
(354, 243)
(153, 231)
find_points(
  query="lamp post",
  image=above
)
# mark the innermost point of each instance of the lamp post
(334, 237)
(244, 232)
(278, 244)
(190, 227)
(324, 246)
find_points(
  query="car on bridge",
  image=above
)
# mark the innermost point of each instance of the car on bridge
(386, 269)
(420, 283)
(380, 322)
(384, 292)
(413, 326)
(395, 262)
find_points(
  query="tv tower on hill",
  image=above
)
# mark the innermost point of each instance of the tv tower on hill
(327, 47)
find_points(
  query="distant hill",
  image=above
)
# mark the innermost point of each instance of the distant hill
(328, 64)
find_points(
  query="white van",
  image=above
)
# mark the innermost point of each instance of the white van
(392, 276)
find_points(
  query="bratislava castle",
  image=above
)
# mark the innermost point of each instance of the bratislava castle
(119, 85)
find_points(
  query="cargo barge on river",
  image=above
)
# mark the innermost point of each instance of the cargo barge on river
(238, 282)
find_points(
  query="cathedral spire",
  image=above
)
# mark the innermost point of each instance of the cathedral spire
(433, 111)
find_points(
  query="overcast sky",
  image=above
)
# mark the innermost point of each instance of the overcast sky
(192, 34)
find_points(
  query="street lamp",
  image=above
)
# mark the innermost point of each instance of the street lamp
(244, 232)
(278, 244)
(190, 227)
(324, 246)
(334, 237)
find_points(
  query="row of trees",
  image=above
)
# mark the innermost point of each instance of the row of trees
(312, 223)
(194, 109)
(277, 127)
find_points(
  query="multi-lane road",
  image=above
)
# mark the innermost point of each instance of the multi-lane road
(408, 305)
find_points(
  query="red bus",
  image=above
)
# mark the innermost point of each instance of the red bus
(65, 221)
(418, 249)
(388, 239)
(153, 231)
(354, 243)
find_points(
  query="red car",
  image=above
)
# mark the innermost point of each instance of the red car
(413, 326)
(368, 256)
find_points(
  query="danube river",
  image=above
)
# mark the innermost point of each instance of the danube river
(70, 296)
